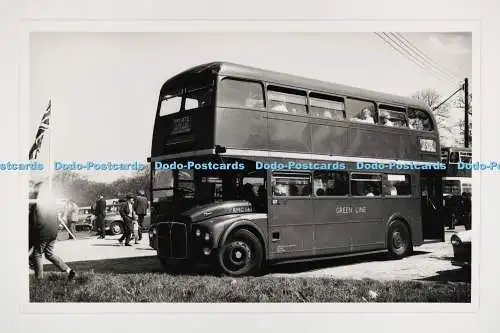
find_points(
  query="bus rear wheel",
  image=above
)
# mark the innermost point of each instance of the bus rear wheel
(399, 242)
(241, 254)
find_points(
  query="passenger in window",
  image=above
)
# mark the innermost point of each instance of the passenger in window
(333, 187)
(306, 191)
(369, 191)
(254, 101)
(413, 123)
(385, 119)
(280, 190)
(279, 106)
(365, 117)
(327, 114)
(320, 192)
(392, 190)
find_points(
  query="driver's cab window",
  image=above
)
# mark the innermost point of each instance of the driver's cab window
(185, 184)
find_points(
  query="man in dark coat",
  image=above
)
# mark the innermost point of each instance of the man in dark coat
(127, 213)
(100, 213)
(141, 209)
(44, 224)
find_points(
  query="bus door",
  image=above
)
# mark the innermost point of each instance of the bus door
(290, 215)
(432, 207)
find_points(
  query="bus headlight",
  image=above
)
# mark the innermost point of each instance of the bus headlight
(197, 232)
(207, 251)
(207, 236)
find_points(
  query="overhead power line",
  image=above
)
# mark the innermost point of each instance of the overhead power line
(426, 58)
(408, 55)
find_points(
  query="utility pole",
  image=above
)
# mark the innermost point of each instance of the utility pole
(466, 115)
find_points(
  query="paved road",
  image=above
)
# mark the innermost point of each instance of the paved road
(430, 262)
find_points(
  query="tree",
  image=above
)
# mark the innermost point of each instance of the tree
(460, 104)
(442, 114)
(70, 184)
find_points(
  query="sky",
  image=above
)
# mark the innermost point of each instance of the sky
(104, 87)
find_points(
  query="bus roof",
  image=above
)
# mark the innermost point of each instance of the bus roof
(242, 71)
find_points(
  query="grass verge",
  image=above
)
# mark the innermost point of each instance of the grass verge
(157, 287)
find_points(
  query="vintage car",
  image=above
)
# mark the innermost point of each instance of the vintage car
(113, 222)
(85, 219)
(461, 243)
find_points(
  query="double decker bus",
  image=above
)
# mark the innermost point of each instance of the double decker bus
(456, 180)
(275, 170)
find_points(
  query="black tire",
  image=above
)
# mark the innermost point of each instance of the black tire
(242, 254)
(116, 228)
(398, 240)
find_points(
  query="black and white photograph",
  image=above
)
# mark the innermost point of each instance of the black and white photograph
(251, 167)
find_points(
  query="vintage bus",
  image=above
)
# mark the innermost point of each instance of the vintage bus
(239, 209)
(456, 181)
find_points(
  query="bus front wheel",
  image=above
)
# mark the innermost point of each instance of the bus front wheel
(399, 242)
(242, 254)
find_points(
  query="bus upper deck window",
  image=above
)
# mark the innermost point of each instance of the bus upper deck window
(198, 98)
(392, 116)
(361, 111)
(287, 100)
(419, 120)
(170, 104)
(243, 94)
(327, 107)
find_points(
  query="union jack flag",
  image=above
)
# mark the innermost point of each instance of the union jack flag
(44, 125)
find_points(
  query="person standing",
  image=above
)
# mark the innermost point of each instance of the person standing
(141, 208)
(467, 209)
(44, 222)
(127, 213)
(70, 216)
(100, 213)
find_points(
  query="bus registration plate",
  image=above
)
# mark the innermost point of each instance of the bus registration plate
(181, 125)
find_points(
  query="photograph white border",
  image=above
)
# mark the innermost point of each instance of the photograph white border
(236, 26)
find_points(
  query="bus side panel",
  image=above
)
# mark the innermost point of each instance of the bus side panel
(241, 128)
(348, 224)
(289, 133)
(327, 139)
(290, 228)
(382, 144)
(409, 210)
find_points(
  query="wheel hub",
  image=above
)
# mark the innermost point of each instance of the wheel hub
(239, 253)
(397, 239)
